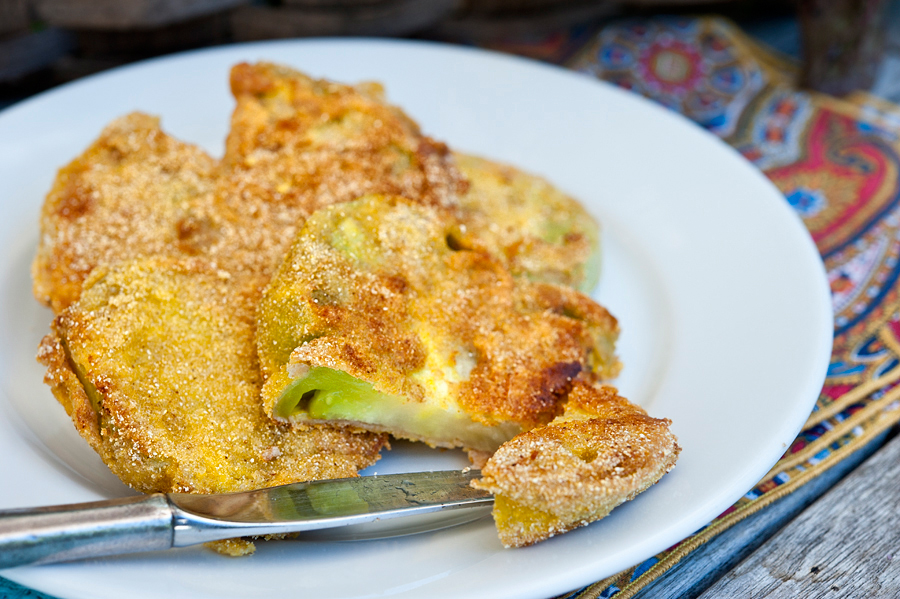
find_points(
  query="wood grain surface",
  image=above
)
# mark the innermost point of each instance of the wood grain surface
(394, 17)
(126, 14)
(702, 568)
(847, 544)
(13, 16)
(23, 54)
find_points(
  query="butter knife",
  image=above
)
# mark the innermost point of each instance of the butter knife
(163, 521)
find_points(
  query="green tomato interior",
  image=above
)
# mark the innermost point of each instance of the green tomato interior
(81, 374)
(327, 394)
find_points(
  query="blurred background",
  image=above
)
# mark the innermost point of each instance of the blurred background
(839, 45)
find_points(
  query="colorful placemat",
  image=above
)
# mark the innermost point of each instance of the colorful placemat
(837, 162)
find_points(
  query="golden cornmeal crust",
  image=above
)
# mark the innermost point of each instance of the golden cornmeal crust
(137, 192)
(391, 292)
(167, 349)
(233, 547)
(603, 451)
(537, 230)
(311, 143)
(297, 144)
(128, 195)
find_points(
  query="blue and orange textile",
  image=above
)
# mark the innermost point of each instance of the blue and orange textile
(837, 161)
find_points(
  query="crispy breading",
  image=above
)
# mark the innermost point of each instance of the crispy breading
(128, 195)
(297, 144)
(156, 365)
(540, 232)
(391, 293)
(311, 143)
(603, 451)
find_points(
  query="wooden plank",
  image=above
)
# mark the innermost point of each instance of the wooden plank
(126, 14)
(398, 17)
(333, 3)
(513, 7)
(13, 16)
(847, 544)
(843, 43)
(69, 68)
(693, 575)
(892, 33)
(31, 52)
(480, 28)
(524, 7)
(135, 44)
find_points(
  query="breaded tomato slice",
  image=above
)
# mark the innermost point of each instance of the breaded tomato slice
(298, 144)
(384, 316)
(156, 365)
(601, 452)
(537, 230)
(305, 142)
(130, 194)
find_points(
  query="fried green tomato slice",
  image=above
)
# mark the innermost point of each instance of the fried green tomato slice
(129, 194)
(156, 365)
(537, 230)
(299, 141)
(601, 452)
(298, 144)
(383, 315)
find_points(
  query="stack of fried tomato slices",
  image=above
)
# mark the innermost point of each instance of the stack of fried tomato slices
(337, 277)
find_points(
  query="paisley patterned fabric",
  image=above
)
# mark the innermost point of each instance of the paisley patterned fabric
(838, 164)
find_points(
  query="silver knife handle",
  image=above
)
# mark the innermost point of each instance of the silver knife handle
(83, 530)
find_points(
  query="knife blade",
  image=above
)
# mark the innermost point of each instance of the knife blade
(163, 521)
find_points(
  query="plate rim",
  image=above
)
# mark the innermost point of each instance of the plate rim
(751, 477)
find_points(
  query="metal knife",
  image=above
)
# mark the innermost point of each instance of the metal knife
(162, 521)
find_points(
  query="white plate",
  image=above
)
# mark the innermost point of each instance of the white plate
(720, 292)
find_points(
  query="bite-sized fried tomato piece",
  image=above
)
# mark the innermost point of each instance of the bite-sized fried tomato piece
(603, 451)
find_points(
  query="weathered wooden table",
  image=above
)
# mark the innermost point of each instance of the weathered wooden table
(838, 536)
